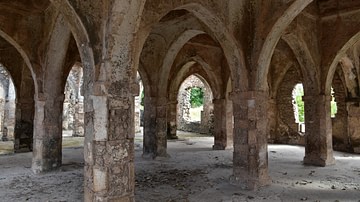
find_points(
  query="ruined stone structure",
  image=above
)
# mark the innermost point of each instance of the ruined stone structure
(183, 120)
(73, 112)
(7, 106)
(250, 52)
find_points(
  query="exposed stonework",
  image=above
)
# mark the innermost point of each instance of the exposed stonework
(73, 112)
(184, 121)
(7, 106)
(250, 53)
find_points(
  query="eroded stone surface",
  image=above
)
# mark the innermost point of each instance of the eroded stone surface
(250, 53)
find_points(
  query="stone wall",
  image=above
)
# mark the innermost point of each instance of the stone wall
(7, 106)
(286, 130)
(184, 121)
(73, 112)
(340, 121)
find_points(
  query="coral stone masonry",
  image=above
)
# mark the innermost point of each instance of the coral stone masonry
(105, 69)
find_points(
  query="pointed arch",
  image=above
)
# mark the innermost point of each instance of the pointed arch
(23, 54)
(341, 53)
(263, 63)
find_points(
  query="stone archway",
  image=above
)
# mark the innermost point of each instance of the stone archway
(185, 121)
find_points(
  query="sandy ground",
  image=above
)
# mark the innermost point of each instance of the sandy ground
(194, 172)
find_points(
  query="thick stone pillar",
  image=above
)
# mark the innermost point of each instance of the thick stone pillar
(161, 127)
(220, 135)
(109, 152)
(273, 117)
(47, 150)
(149, 141)
(353, 120)
(250, 156)
(172, 120)
(24, 126)
(229, 124)
(318, 135)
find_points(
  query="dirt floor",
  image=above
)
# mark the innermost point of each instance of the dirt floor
(194, 172)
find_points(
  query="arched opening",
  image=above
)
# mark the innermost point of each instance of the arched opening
(139, 114)
(73, 107)
(298, 106)
(7, 111)
(195, 109)
(180, 45)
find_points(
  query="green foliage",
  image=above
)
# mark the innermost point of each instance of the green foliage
(142, 98)
(196, 97)
(299, 92)
(333, 104)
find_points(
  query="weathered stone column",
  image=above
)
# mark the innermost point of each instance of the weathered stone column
(24, 126)
(250, 156)
(220, 135)
(353, 135)
(172, 120)
(47, 150)
(229, 124)
(149, 141)
(318, 135)
(24, 113)
(161, 127)
(109, 153)
(272, 124)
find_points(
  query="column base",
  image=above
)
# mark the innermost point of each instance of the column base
(162, 157)
(316, 161)
(218, 147)
(148, 156)
(249, 184)
(44, 166)
(151, 156)
(175, 137)
(90, 195)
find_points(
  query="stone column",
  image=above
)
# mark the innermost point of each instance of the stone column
(24, 125)
(318, 135)
(272, 124)
(229, 124)
(109, 152)
(220, 135)
(172, 120)
(353, 135)
(47, 150)
(2, 121)
(161, 127)
(149, 141)
(250, 156)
